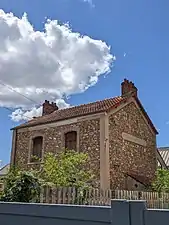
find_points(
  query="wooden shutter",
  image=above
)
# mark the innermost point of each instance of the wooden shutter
(37, 147)
(71, 140)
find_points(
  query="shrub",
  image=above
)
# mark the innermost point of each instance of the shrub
(21, 186)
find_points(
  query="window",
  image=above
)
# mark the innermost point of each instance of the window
(37, 149)
(71, 140)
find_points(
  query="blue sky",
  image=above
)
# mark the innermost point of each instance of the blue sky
(138, 34)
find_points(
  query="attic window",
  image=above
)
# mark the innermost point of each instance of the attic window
(37, 144)
(71, 140)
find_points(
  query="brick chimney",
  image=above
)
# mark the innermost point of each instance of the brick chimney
(128, 88)
(49, 108)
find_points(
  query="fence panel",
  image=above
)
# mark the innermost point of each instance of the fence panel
(101, 197)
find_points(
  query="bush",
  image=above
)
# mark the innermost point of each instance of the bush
(161, 182)
(21, 186)
(67, 169)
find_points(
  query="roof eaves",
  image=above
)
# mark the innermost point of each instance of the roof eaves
(146, 115)
(140, 179)
(163, 148)
(49, 122)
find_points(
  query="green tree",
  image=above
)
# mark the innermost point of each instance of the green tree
(161, 182)
(67, 169)
(21, 186)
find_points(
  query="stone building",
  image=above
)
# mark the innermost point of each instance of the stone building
(117, 134)
(3, 172)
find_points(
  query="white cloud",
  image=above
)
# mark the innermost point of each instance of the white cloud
(46, 65)
(90, 2)
(20, 114)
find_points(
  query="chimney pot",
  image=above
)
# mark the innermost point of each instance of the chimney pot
(128, 88)
(49, 108)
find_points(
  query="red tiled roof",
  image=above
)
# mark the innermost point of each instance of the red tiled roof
(76, 111)
(85, 109)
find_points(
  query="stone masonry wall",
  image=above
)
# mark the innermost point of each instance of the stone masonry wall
(89, 142)
(126, 156)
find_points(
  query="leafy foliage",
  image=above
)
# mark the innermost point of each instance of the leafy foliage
(20, 186)
(67, 169)
(161, 183)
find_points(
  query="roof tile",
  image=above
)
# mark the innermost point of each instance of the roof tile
(76, 111)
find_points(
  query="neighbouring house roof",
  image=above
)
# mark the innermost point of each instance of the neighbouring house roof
(160, 160)
(4, 170)
(82, 110)
(164, 151)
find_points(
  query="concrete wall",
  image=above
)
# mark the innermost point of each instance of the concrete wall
(121, 212)
(19, 214)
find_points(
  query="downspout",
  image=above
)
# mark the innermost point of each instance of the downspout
(13, 151)
(104, 153)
